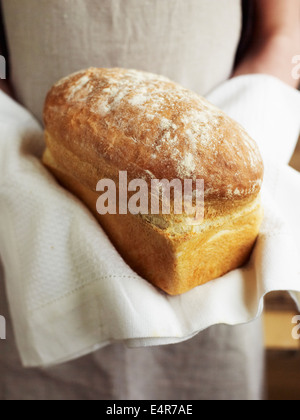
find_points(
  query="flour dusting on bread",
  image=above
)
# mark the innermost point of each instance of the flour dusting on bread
(169, 126)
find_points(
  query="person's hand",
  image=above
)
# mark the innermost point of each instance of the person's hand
(276, 40)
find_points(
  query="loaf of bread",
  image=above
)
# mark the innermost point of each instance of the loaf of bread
(99, 122)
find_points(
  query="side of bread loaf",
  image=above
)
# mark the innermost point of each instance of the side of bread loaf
(102, 121)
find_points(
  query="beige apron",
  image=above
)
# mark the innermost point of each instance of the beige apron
(191, 41)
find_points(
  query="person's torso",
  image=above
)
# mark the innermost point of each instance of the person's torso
(191, 41)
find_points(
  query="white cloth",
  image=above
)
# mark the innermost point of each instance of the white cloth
(69, 291)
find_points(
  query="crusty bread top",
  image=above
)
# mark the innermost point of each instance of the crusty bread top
(153, 128)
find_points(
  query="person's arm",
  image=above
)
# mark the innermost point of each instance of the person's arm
(275, 40)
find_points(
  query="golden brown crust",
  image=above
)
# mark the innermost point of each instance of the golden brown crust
(102, 121)
(174, 263)
(150, 127)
